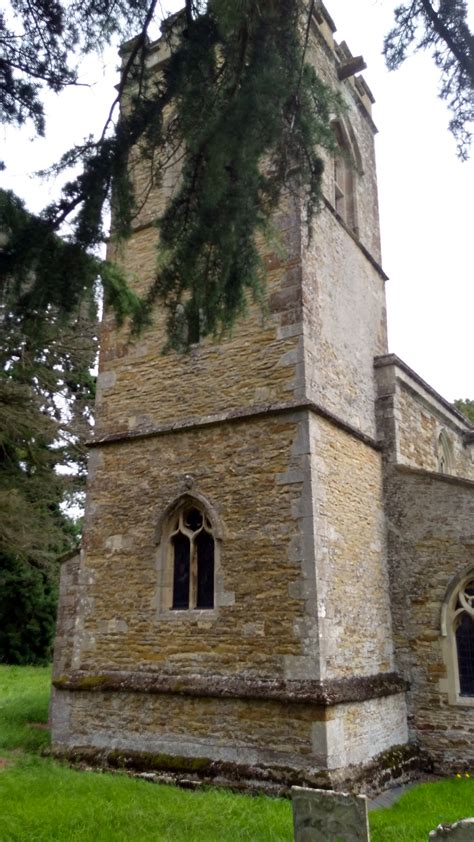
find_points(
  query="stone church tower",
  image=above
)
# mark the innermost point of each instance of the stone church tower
(230, 616)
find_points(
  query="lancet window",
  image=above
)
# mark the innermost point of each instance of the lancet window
(192, 547)
(444, 453)
(344, 180)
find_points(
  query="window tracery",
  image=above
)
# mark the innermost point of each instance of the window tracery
(457, 627)
(193, 560)
(463, 627)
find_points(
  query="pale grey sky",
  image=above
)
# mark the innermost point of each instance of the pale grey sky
(425, 193)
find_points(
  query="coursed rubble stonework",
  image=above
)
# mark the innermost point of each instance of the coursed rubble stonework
(335, 535)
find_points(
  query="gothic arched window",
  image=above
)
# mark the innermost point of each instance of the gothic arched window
(458, 630)
(344, 180)
(445, 457)
(463, 628)
(192, 549)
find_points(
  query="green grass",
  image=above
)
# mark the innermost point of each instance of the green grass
(24, 700)
(43, 801)
(422, 809)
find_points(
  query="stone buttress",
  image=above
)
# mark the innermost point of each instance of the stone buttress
(287, 674)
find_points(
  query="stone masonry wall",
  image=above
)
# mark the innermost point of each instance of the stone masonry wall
(419, 433)
(301, 584)
(352, 577)
(320, 332)
(343, 284)
(68, 608)
(344, 311)
(259, 365)
(359, 127)
(431, 540)
(246, 471)
(292, 737)
(411, 419)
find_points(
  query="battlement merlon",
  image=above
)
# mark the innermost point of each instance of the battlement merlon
(347, 65)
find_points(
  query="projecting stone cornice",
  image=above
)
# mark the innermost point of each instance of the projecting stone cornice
(232, 416)
(321, 693)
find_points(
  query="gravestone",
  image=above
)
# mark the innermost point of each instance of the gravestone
(462, 831)
(325, 816)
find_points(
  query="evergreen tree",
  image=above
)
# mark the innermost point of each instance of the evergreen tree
(241, 93)
(466, 407)
(442, 28)
(46, 394)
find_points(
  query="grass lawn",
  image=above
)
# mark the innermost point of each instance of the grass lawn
(41, 800)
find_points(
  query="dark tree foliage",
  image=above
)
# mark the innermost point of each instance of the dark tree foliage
(442, 28)
(249, 117)
(246, 116)
(44, 270)
(466, 407)
(40, 41)
(28, 598)
(46, 395)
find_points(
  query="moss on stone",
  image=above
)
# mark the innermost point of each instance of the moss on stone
(147, 761)
(86, 682)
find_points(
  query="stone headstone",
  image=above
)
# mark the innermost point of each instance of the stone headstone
(462, 831)
(320, 815)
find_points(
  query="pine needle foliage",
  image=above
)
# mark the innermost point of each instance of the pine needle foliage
(40, 270)
(46, 397)
(40, 41)
(252, 117)
(245, 114)
(443, 29)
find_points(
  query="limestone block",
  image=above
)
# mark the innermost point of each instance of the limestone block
(326, 816)
(462, 831)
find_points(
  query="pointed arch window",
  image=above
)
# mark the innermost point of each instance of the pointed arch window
(445, 456)
(463, 628)
(458, 631)
(192, 547)
(344, 179)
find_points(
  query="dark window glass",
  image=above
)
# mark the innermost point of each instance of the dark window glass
(205, 570)
(181, 571)
(193, 519)
(465, 649)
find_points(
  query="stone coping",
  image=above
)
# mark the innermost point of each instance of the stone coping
(422, 473)
(393, 360)
(322, 693)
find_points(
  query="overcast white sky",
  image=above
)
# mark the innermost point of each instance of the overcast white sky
(425, 193)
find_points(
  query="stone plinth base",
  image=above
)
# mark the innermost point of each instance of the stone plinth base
(262, 738)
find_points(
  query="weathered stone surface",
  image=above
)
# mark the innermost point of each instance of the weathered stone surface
(430, 543)
(325, 816)
(462, 831)
(272, 429)
(411, 418)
